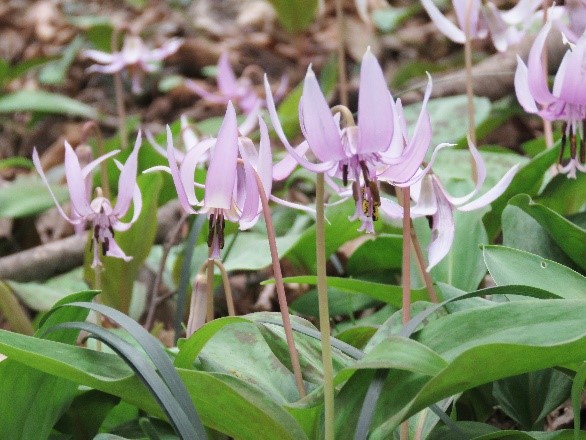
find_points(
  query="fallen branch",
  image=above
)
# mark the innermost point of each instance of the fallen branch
(43, 261)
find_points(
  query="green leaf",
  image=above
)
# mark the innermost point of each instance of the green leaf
(511, 266)
(118, 276)
(381, 292)
(563, 195)
(12, 310)
(46, 102)
(530, 397)
(37, 400)
(341, 303)
(295, 16)
(28, 195)
(527, 180)
(55, 72)
(377, 255)
(568, 236)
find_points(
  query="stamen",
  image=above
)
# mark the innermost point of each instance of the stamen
(573, 146)
(212, 228)
(429, 221)
(105, 245)
(365, 172)
(355, 191)
(220, 231)
(564, 140)
(582, 151)
(345, 174)
(374, 193)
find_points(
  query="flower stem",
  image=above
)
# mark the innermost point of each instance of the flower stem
(324, 314)
(118, 90)
(227, 288)
(280, 288)
(342, 78)
(406, 266)
(547, 129)
(421, 264)
(469, 82)
(210, 288)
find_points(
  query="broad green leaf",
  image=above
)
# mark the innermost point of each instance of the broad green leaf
(530, 397)
(523, 232)
(511, 266)
(449, 116)
(37, 399)
(341, 303)
(46, 102)
(251, 415)
(54, 72)
(28, 195)
(568, 236)
(527, 181)
(377, 255)
(295, 16)
(13, 311)
(118, 276)
(381, 292)
(563, 195)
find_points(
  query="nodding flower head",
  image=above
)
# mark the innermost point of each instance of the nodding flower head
(135, 57)
(99, 212)
(566, 102)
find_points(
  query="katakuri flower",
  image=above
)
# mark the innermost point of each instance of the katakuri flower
(231, 190)
(434, 202)
(575, 11)
(361, 153)
(135, 57)
(567, 101)
(104, 218)
(505, 27)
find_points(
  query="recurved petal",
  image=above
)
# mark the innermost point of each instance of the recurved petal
(488, 197)
(39, 168)
(116, 251)
(265, 158)
(177, 175)
(521, 11)
(76, 183)
(572, 75)
(221, 175)
(86, 170)
(445, 26)
(522, 88)
(442, 234)
(227, 82)
(187, 169)
(127, 180)
(317, 122)
(480, 176)
(537, 80)
(375, 114)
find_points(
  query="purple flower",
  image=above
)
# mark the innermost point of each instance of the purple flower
(575, 10)
(134, 57)
(432, 200)
(505, 28)
(104, 218)
(231, 190)
(567, 101)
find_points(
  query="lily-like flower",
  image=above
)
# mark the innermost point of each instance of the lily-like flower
(377, 146)
(104, 218)
(231, 190)
(135, 57)
(434, 202)
(505, 27)
(575, 11)
(567, 101)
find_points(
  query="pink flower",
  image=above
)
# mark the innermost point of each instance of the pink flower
(505, 28)
(134, 57)
(104, 218)
(567, 101)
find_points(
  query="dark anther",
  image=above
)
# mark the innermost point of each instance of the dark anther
(212, 225)
(220, 231)
(355, 191)
(111, 229)
(582, 151)
(564, 140)
(345, 174)
(365, 172)
(105, 245)
(429, 221)
(96, 231)
(573, 146)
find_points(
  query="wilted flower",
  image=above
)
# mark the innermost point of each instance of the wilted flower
(99, 212)
(231, 190)
(434, 202)
(566, 103)
(505, 27)
(135, 57)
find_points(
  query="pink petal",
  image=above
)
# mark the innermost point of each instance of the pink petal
(522, 88)
(480, 176)
(375, 114)
(493, 193)
(115, 251)
(316, 168)
(227, 82)
(190, 162)
(167, 49)
(317, 122)
(419, 174)
(445, 26)
(176, 174)
(461, 10)
(86, 170)
(251, 207)
(136, 203)
(573, 75)
(391, 209)
(99, 56)
(39, 168)
(537, 80)
(127, 180)
(284, 168)
(221, 175)
(210, 97)
(265, 158)
(443, 228)
(75, 183)
(523, 10)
